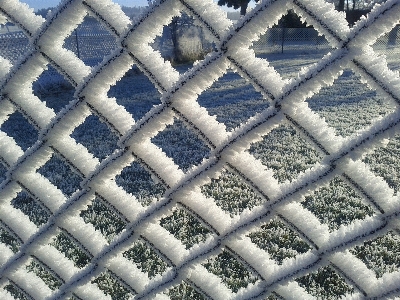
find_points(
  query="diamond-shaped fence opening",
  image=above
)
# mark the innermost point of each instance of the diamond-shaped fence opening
(250, 150)
(349, 105)
(231, 193)
(138, 181)
(280, 241)
(182, 144)
(147, 259)
(325, 283)
(337, 204)
(285, 152)
(104, 218)
(384, 162)
(232, 272)
(232, 100)
(96, 137)
(72, 249)
(183, 41)
(135, 92)
(20, 129)
(291, 45)
(53, 89)
(111, 286)
(37, 212)
(42, 271)
(184, 291)
(9, 239)
(380, 254)
(91, 41)
(185, 227)
(16, 291)
(61, 174)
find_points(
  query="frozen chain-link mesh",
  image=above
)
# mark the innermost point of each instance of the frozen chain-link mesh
(264, 240)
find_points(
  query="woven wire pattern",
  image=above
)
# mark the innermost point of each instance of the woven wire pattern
(229, 238)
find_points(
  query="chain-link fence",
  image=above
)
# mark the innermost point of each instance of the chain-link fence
(240, 220)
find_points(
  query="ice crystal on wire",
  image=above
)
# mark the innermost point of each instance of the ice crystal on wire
(136, 180)
(232, 272)
(48, 277)
(185, 228)
(286, 153)
(146, 259)
(337, 204)
(385, 162)
(61, 175)
(104, 219)
(182, 145)
(279, 241)
(184, 291)
(31, 207)
(112, 287)
(325, 284)
(231, 193)
(9, 240)
(382, 254)
(71, 250)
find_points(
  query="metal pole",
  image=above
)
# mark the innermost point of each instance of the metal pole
(283, 37)
(77, 43)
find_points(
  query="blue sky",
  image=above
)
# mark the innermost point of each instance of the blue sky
(37, 4)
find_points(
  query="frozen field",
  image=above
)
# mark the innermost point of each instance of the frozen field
(348, 106)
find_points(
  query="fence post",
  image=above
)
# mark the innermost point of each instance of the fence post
(77, 42)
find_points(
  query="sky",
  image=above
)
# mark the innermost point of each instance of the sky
(37, 4)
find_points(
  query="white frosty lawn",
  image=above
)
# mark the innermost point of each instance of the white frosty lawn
(347, 106)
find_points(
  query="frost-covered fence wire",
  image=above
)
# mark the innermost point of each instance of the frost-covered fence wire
(155, 253)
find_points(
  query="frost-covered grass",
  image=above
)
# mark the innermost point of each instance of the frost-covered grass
(337, 204)
(347, 106)
(384, 162)
(63, 243)
(279, 241)
(184, 291)
(326, 283)
(146, 259)
(231, 193)
(382, 254)
(40, 270)
(232, 272)
(103, 218)
(285, 152)
(185, 228)
(112, 287)
(136, 180)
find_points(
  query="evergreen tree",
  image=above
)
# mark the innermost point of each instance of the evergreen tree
(242, 4)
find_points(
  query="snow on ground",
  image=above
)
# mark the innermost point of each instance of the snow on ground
(347, 106)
